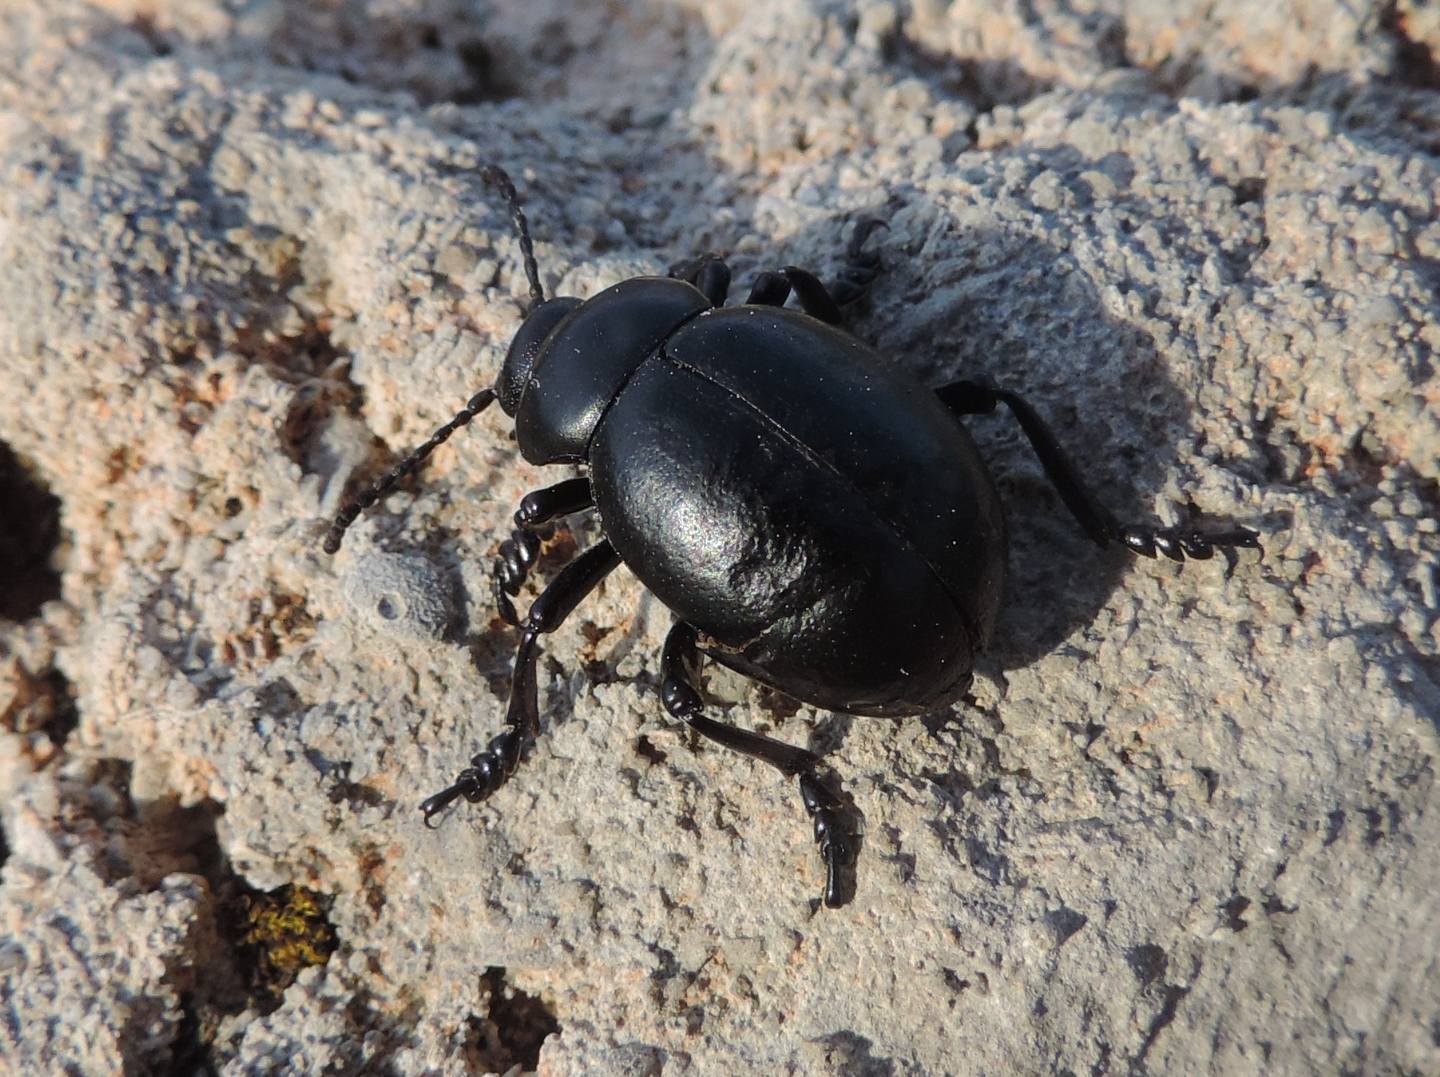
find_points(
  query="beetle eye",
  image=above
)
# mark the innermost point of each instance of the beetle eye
(525, 349)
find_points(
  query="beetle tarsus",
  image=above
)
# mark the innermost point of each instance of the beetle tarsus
(679, 691)
(837, 845)
(490, 769)
(433, 805)
(714, 280)
(770, 289)
(517, 555)
(709, 272)
(861, 267)
(1176, 543)
(485, 774)
(512, 565)
(829, 302)
(815, 299)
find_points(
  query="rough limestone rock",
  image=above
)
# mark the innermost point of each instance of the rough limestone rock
(1188, 821)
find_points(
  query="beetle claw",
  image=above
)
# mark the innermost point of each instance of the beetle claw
(433, 806)
(503, 605)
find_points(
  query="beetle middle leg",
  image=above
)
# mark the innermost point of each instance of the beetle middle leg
(489, 769)
(517, 554)
(1176, 543)
(680, 667)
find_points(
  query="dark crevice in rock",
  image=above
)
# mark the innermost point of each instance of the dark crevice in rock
(433, 60)
(849, 1052)
(323, 389)
(191, 1051)
(1169, 1005)
(1415, 62)
(1233, 911)
(1065, 922)
(40, 702)
(517, 1027)
(1148, 961)
(29, 533)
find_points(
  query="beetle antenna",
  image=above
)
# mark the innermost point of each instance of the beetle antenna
(497, 177)
(392, 478)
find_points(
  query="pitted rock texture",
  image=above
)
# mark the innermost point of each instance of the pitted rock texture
(1187, 821)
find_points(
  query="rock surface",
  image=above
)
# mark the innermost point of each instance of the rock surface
(1189, 821)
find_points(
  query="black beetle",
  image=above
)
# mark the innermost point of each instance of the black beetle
(814, 518)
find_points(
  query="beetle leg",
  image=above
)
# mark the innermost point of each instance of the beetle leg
(971, 398)
(769, 290)
(489, 770)
(861, 266)
(518, 553)
(814, 298)
(709, 273)
(839, 844)
(828, 302)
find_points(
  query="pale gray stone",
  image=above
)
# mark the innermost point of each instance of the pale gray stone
(1189, 822)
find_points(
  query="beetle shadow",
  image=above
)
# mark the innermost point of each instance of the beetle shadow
(1019, 313)
(1007, 309)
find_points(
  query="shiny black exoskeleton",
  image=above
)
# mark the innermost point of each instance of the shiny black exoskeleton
(813, 518)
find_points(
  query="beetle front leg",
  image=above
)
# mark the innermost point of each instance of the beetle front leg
(971, 398)
(837, 838)
(518, 553)
(489, 770)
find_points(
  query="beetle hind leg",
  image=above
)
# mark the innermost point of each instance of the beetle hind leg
(835, 833)
(489, 769)
(1176, 543)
